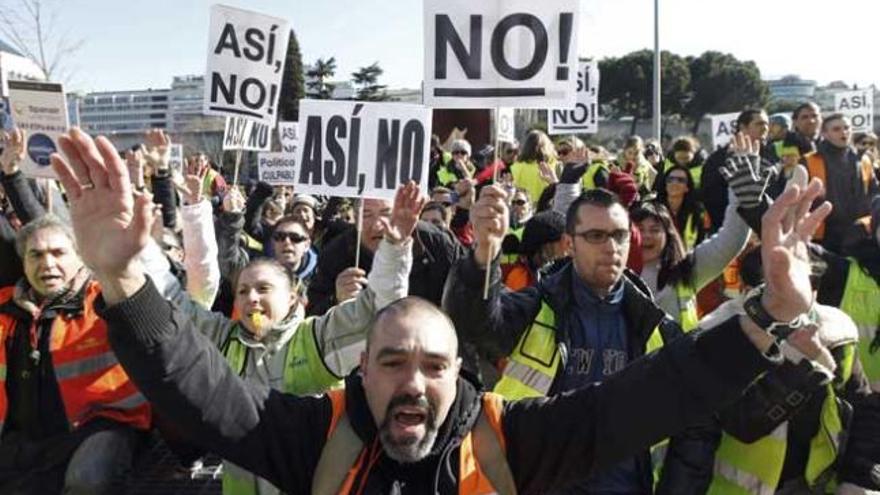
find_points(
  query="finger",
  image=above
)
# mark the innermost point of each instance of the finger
(493, 191)
(80, 171)
(778, 266)
(811, 222)
(91, 157)
(143, 217)
(66, 175)
(117, 172)
(771, 223)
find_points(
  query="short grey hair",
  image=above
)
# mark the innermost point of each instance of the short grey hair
(44, 222)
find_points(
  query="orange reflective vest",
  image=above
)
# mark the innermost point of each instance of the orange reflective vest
(481, 463)
(816, 168)
(91, 381)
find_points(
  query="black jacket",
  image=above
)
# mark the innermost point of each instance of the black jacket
(27, 207)
(434, 253)
(497, 325)
(549, 441)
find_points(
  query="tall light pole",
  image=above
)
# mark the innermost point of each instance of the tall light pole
(656, 123)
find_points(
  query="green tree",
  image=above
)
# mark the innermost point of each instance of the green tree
(720, 84)
(319, 74)
(292, 83)
(627, 82)
(366, 79)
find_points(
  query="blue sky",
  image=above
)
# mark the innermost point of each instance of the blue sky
(133, 45)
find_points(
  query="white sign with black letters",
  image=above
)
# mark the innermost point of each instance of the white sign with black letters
(40, 110)
(277, 169)
(246, 52)
(584, 117)
(288, 136)
(858, 105)
(505, 126)
(497, 53)
(723, 129)
(247, 135)
(355, 149)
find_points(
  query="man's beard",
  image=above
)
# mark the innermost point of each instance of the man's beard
(409, 450)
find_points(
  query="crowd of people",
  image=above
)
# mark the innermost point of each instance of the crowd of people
(554, 317)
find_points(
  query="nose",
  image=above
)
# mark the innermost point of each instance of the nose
(414, 382)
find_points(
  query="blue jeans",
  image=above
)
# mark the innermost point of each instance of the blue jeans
(101, 462)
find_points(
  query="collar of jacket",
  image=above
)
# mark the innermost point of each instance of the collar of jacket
(639, 309)
(70, 300)
(308, 264)
(278, 336)
(826, 148)
(463, 413)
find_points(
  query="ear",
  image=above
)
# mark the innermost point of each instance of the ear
(567, 243)
(364, 363)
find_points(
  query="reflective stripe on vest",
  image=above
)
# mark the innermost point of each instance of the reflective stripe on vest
(483, 469)
(688, 318)
(533, 365)
(90, 380)
(742, 468)
(690, 233)
(861, 301)
(304, 374)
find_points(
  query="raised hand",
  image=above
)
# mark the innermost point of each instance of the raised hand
(13, 150)
(349, 283)
(408, 203)
(744, 171)
(111, 224)
(134, 161)
(547, 173)
(743, 144)
(191, 185)
(233, 201)
(490, 216)
(157, 149)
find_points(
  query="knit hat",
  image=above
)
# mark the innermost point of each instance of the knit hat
(305, 199)
(624, 185)
(781, 120)
(460, 145)
(545, 227)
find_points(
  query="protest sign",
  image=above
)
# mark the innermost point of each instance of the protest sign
(246, 53)
(495, 53)
(723, 129)
(246, 134)
(858, 105)
(355, 149)
(175, 158)
(277, 169)
(39, 109)
(288, 136)
(505, 125)
(584, 117)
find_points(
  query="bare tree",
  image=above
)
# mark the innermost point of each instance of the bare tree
(32, 28)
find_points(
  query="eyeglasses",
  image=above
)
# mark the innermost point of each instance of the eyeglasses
(673, 179)
(518, 202)
(292, 236)
(598, 236)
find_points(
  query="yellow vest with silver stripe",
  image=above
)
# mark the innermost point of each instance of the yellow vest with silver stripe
(589, 179)
(688, 318)
(861, 301)
(755, 468)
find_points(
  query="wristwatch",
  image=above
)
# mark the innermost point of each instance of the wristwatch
(759, 314)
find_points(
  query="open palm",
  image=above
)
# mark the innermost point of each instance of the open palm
(110, 223)
(408, 203)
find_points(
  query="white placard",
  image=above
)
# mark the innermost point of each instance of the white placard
(246, 52)
(354, 149)
(288, 136)
(584, 117)
(858, 105)
(723, 128)
(277, 169)
(39, 109)
(497, 53)
(175, 158)
(246, 134)
(505, 125)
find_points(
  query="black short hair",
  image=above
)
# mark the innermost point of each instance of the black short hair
(803, 106)
(599, 197)
(746, 117)
(831, 118)
(406, 305)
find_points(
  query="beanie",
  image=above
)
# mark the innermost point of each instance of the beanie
(545, 227)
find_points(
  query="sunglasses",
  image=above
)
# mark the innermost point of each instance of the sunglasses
(459, 152)
(598, 236)
(673, 179)
(518, 202)
(292, 236)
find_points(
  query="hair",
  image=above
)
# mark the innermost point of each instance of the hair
(546, 199)
(441, 190)
(803, 106)
(292, 280)
(675, 264)
(537, 148)
(633, 142)
(286, 219)
(438, 207)
(831, 118)
(569, 144)
(685, 143)
(599, 197)
(861, 136)
(408, 305)
(48, 221)
(747, 116)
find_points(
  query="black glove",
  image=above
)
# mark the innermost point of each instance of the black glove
(572, 172)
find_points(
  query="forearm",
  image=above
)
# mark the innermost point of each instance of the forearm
(565, 196)
(715, 253)
(24, 202)
(163, 195)
(230, 256)
(201, 253)
(389, 276)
